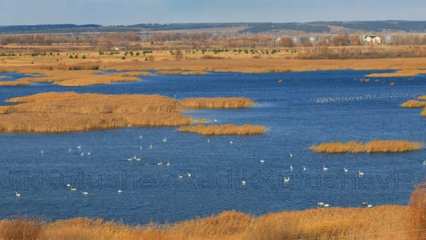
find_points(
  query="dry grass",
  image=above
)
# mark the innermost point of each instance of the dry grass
(194, 63)
(225, 129)
(418, 213)
(217, 103)
(20, 229)
(399, 73)
(414, 104)
(68, 112)
(74, 78)
(378, 146)
(65, 112)
(379, 223)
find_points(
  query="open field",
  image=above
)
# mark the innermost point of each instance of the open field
(68, 112)
(377, 146)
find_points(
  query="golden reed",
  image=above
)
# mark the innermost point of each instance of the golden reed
(377, 146)
(225, 129)
(68, 112)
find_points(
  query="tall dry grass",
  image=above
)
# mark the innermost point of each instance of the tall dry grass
(74, 78)
(399, 73)
(377, 146)
(20, 229)
(225, 129)
(66, 112)
(414, 104)
(379, 223)
(217, 103)
(418, 213)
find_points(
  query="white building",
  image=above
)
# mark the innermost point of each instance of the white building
(372, 39)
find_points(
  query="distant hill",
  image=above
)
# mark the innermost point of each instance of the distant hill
(308, 27)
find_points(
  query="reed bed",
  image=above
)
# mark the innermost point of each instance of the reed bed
(414, 104)
(418, 213)
(225, 129)
(399, 73)
(379, 223)
(217, 103)
(68, 112)
(74, 78)
(377, 146)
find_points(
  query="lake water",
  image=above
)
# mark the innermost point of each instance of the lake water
(204, 175)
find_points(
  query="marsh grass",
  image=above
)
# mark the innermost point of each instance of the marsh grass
(377, 146)
(379, 223)
(399, 73)
(418, 213)
(217, 103)
(74, 78)
(66, 112)
(56, 112)
(225, 129)
(414, 104)
(20, 229)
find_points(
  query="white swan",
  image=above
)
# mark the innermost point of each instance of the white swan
(286, 180)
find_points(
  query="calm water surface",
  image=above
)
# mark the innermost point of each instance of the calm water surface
(191, 176)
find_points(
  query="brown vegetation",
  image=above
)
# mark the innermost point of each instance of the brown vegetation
(399, 73)
(74, 76)
(66, 112)
(418, 213)
(226, 129)
(217, 103)
(67, 67)
(379, 223)
(377, 146)
(414, 104)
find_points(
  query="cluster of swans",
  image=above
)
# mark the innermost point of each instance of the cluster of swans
(188, 175)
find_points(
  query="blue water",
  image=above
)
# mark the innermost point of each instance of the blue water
(307, 108)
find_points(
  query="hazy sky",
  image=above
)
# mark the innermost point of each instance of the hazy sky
(111, 12)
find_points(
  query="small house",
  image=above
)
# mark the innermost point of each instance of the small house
(372, 39)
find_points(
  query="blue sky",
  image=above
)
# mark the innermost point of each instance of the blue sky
(110, 12)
